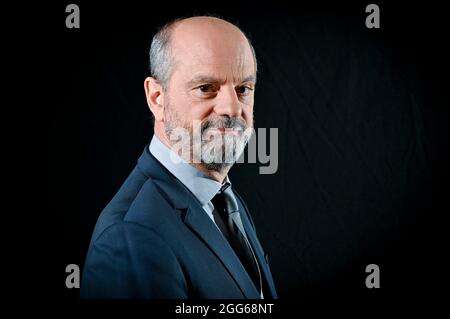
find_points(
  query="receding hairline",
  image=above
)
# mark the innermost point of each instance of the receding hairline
(178, 22)
(171, 26)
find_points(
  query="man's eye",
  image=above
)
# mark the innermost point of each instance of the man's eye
(243, 90)
(206, 88)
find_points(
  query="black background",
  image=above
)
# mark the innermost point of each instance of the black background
(362, 116)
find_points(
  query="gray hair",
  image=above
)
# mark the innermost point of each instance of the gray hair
(160, 52)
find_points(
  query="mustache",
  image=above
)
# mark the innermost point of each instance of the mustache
(224, 122)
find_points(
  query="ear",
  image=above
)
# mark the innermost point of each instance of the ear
(155, 97)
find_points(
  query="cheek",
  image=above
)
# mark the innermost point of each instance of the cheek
(197, 109)
(247, 114)
(187, 108)
(200, 111)
(178, 101)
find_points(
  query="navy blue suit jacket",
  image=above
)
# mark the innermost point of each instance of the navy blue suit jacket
(154, 240)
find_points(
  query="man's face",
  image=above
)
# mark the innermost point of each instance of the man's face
(212, 81)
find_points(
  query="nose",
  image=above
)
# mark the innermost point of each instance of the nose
(228, 102)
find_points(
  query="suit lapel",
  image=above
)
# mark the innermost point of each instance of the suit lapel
(267, 275)
(201, 224)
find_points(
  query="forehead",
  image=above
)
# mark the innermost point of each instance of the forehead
(215, 48)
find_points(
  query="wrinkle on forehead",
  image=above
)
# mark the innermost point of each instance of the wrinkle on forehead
(215, 74)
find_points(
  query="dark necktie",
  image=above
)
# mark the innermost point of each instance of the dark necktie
(227, 218)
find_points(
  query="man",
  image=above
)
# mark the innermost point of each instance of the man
(177, 228)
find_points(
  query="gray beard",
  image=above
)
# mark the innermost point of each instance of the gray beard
(217, 153)
(222, 152)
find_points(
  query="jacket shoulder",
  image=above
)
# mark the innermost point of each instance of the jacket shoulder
(129, 260)
(136, 201)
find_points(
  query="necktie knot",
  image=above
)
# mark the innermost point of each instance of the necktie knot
(224, 187)
(224, 200)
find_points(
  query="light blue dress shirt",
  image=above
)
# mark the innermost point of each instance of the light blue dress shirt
(201, 186)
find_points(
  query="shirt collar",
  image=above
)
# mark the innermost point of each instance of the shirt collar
(201, 186)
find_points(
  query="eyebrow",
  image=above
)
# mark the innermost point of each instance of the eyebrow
(211, 79)
(250, 78)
